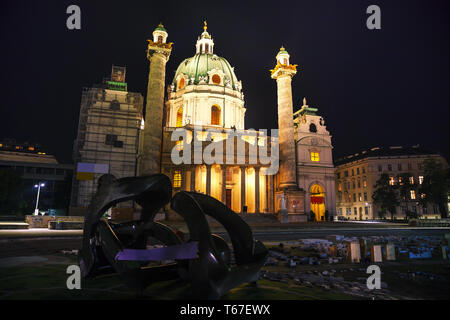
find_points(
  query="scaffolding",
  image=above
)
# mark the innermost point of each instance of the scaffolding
(108, 135)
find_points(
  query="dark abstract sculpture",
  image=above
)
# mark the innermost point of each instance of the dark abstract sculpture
(204, 260)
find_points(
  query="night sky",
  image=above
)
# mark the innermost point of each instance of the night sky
(385, 87)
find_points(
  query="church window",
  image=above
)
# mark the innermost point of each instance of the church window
(315, 156)
(177, 179)
(181, 83)
(179, 117)
(114, 105)
(179, 145)
(216, 79)
(215, 115)
(312, 128)
(110, 139)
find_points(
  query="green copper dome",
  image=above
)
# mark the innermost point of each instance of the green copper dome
(199, 65)
(160, 27)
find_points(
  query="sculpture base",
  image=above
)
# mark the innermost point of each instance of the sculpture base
(284, 217)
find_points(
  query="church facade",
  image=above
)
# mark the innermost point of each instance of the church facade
(196, 135)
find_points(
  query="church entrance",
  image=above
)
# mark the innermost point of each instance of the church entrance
(228, 198)
(317, 202)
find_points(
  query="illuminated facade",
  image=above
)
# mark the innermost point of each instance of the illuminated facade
(205, 92)
(357, 174)
(315, 168)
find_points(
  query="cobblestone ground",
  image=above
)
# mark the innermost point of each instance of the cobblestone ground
(44, 277)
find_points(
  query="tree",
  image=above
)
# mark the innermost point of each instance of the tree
(404, 188)
(435, 185)
(385, 195)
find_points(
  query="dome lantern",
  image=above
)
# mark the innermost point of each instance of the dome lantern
(205, 44)
(160, 34)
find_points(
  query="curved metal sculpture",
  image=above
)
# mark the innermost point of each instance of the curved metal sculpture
(204, 260)
(211, 274)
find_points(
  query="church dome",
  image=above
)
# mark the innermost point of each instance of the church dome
(205, 65)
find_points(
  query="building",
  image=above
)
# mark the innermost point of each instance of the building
(357, 174)
(205, 112)
(36, 166)
(108, 137)
(315, 168)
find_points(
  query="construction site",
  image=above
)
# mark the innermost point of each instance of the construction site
(107, 142)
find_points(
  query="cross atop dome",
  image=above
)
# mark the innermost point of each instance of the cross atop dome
(205, 44)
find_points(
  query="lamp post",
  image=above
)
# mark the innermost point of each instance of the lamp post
(39, 185)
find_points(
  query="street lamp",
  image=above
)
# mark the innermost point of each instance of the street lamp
(39, 185)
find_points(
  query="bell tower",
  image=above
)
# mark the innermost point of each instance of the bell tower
(290, 200)
(158, 53)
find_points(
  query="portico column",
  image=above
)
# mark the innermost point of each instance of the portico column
(271, 195)
(193, 178)
(256, 189)
(183, 178)
(242, 189)
(224, 184)
(208, 179)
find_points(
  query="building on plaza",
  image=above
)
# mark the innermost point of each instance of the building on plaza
(205, 93)
(108, 137)
(36, 166)
(357, 174)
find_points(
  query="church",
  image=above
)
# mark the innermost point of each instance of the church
(205, 101)
(194, 132)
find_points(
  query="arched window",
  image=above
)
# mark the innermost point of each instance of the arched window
(207, 48)
(114, 105)
(179, 117)
(312, 128)
(177, 179)
(216, 79)
(215, 115)
(181, 83)
(160, 39)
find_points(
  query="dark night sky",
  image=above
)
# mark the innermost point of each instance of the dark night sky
(383, 87)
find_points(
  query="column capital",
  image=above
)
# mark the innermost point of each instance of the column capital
(162, 48)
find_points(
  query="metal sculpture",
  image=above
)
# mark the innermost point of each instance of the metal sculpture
(204, 260)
